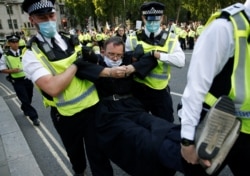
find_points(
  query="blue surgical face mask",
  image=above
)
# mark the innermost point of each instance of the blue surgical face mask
(48, 28)
(111, 63)
(153, 26)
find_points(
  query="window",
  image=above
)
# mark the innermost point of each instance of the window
(1, 26)
(10, 24)
(9, 9)
(21, 10)
(61, 9)
(15, 24)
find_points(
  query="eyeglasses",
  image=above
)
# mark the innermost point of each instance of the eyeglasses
(113, 55)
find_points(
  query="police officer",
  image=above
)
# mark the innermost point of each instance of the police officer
(10, 63)
(154, 90)
(219, 67)
(51, 62)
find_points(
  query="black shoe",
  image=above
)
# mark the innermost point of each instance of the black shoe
(36, 122)
(217, 133)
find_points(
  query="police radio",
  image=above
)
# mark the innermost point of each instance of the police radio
(49, 53)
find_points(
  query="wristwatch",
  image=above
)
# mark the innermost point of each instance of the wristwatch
(186, 142)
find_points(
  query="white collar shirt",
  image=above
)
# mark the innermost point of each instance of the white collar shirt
(32, 67)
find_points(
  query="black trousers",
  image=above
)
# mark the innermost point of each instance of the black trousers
(140, 143)
(78, 132)
(24, 92)
(191, 42)
(239, 156)
(183, 43)
(158, 102)
(132, 138)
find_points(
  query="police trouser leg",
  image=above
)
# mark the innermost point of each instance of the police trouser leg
(74, 132)
(158, 102)
(24, 92)
(70, 130)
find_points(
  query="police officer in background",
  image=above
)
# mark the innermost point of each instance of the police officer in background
(154, 91)
(10, 63)
(51, 62)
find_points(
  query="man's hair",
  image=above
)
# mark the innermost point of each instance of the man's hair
(117, 41)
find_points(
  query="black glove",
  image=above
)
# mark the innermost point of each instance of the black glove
(89, 55)
(138, 52)
(80, 62)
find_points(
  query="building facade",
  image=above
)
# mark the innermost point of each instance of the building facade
(14, 20)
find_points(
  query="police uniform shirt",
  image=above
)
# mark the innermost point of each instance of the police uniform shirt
(33, 68)
(58, 40)
(215, 52)
(2, 63)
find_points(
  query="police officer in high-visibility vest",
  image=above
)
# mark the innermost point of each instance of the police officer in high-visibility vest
(219, 73)
(51, 61)
(11, 64)
(199, 29)
(154, 90)
(183, 37)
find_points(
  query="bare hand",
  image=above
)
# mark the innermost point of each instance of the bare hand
(190, 155)
(15, 70)
(118, 72)
(129, 70)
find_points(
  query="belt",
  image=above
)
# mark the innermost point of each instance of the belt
(116, 97)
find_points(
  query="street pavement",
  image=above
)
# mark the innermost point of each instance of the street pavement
(16, 158)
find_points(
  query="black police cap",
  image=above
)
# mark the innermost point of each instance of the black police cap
(152, 10)
(38, 6)
(13, 38)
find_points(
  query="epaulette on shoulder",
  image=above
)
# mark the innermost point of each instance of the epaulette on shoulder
(138, 32)
(64, 33)
(32, 40)
(234, 9)
(72, 38)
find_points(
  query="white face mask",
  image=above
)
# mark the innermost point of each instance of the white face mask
(111, 63)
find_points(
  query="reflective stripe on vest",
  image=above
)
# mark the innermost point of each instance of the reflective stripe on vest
(159, 77)
(240, 84)
(15, 62)
(79, 95)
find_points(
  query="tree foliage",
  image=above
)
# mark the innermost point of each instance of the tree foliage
(202, 9)
(111, 10)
